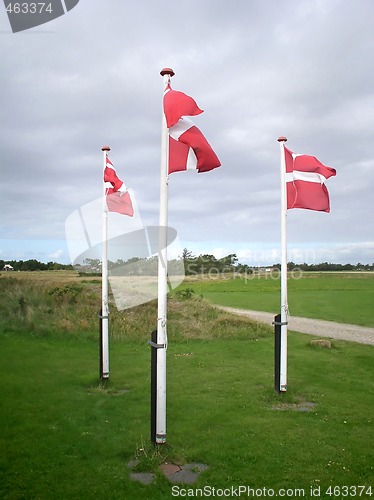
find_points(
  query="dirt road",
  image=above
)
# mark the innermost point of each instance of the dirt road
(317, 327)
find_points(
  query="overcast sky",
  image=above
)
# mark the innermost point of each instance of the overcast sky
(259, 69)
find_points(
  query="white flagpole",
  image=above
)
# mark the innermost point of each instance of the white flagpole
(104, 369)
(160, 437)
(284, 300)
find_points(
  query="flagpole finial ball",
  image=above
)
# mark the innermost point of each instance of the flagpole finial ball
(167, 71)
(105, 148)
(282, 139)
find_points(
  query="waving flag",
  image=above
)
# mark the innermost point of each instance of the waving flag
(188, 148)
(305, 182)
(178, 104)
(117, 197)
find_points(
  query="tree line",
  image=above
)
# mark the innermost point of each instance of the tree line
(193, 265)
(209, 264)
(327, 266)
(33, 265)
(186, 263)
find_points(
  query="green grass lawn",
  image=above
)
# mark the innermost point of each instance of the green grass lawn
(341, 297)
(64, 436)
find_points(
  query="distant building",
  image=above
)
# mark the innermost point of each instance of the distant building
(8, 267)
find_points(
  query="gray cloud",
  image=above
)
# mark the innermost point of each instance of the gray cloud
(260, 70)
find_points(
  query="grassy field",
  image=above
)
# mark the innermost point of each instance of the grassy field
(65, 436)
(341, 297)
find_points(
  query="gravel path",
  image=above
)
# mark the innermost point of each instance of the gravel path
(317, 327)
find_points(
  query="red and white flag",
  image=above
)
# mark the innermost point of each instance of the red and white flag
(188, 148)
(117, 197)
(305, 182)
(178, 104)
